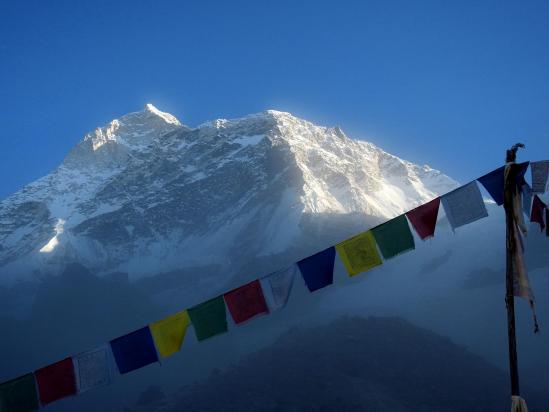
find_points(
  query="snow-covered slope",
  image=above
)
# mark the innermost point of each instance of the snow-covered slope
(146, 194)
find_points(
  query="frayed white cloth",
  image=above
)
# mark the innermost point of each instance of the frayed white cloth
(464, 205)
(93, 368)
(277, 287)
(518, 405)
(540, 173)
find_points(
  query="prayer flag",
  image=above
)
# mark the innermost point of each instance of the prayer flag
(464, 205)
(168, 333)
(246, 302)
(359, 253)
(537, 212)
(526, 199)
(93, 368)
(209, 318)
(19, 395)
(394, 237)
(540, 172)
(516, 193)
(521, 284)
(522, 168)
(134, 350)
(277, 287)
(424, 218)
(56, 381)
(318, 270)
(493, 181)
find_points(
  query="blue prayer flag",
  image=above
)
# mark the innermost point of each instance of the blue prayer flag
(523, 167)
(493, 181)
(318, 270)
(134, 350)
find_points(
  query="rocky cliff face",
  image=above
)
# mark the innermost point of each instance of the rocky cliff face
(146, 195)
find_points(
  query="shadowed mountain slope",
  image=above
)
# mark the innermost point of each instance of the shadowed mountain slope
(353, 364)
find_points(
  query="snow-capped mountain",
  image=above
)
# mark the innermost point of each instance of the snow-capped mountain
(188, 213)
(146, 194)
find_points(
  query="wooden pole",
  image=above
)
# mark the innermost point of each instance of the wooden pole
(510, 186)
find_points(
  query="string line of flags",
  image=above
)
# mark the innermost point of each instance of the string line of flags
(94, 368)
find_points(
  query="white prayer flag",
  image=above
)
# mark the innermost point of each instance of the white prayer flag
(526, 199)
(93, 368)
(464, 205)
(540, 172)
(277, 287)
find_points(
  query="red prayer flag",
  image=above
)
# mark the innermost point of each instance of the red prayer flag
(424, 218)
(56, 381)
(246, 302)
(537, 212)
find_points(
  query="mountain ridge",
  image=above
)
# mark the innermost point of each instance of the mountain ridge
(146, 185)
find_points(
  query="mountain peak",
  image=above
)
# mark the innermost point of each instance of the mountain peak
(278, 113)
(271, 116)
(134, 127)
(167, 117)
(137, 191)
(112, 142)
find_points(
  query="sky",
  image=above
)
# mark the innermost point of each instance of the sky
(449, 84)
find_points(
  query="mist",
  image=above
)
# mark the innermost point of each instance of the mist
(452, 285)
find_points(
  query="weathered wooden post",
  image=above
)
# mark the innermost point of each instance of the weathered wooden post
(510, 188)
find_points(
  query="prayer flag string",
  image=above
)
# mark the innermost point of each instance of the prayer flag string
(360, 253)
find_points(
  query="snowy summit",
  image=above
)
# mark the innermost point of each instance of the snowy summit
(146, 194)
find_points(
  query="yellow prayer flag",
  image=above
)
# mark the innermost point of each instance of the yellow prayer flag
(359, 253)
(168, 333)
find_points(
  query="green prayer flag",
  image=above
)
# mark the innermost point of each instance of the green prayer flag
(394, 237)
(19, 395)
(209, 318)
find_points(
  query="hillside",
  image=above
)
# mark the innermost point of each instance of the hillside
(353, 364)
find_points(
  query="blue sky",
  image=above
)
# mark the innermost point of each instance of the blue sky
(451, 84)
